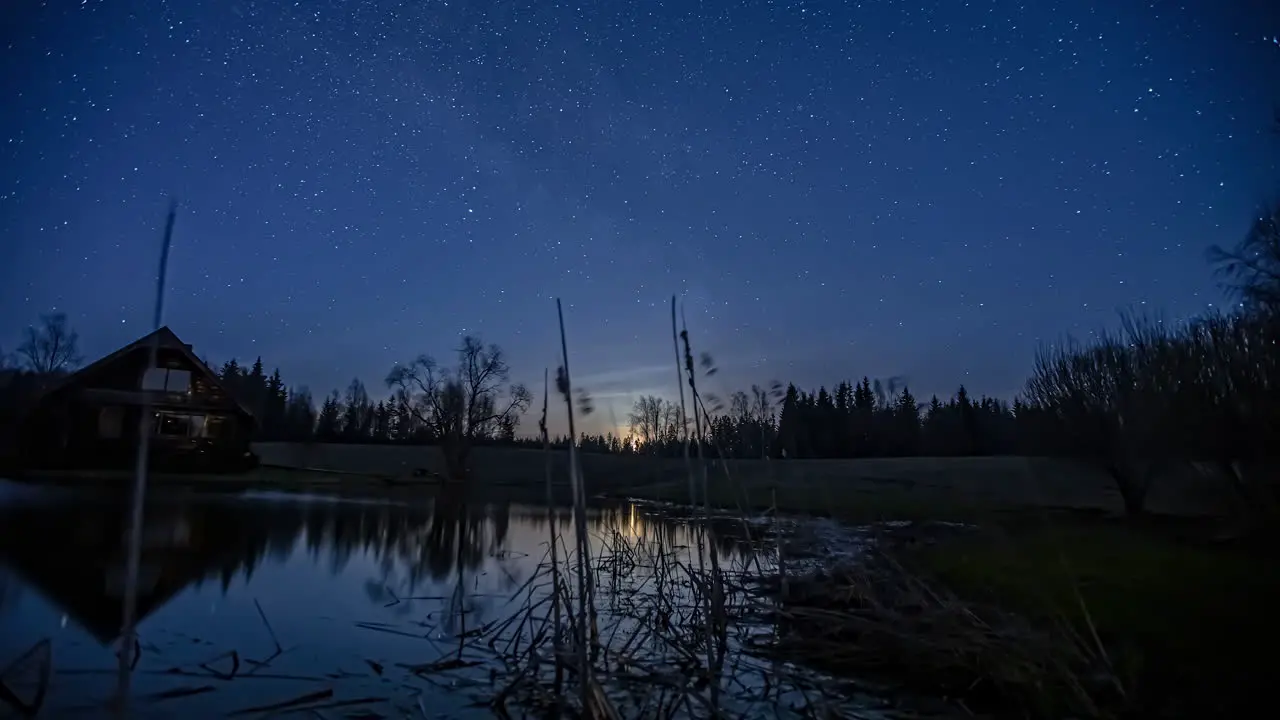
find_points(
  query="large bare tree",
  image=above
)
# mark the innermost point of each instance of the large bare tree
(473, 401)
(1252, 268)
(50, 347)
(651, 420)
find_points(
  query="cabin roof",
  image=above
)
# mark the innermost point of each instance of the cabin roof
(164, 338)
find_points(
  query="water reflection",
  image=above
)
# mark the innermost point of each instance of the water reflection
(348, 581)
(73, 552)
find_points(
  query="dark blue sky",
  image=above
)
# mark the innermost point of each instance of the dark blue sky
(926, 189)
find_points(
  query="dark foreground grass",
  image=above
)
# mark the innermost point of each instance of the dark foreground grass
(1186, 624)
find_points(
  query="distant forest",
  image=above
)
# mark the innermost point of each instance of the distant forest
(865, 419)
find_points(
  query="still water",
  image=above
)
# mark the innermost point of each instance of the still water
(254, 599)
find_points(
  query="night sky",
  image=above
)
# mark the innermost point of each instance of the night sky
(837, 189)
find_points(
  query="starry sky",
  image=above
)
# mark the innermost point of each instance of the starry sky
(925, 189)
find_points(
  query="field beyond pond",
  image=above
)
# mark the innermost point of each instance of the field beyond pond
(852, 489)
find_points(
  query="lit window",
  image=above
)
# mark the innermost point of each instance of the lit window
(167, 380)
(178, 381)
(155, 378)
(170, 425)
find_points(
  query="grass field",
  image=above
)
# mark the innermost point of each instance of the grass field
(848, 488)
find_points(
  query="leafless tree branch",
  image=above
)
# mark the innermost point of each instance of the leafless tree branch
(51, 347)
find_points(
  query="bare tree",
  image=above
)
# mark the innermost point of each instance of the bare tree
(652, 420)
(356, 420)
(1252, 269)
(740, 407)
(1102, 400)
(645, 417)
(1160, 395)
(471, 402)
(763, 402)
(51, 347)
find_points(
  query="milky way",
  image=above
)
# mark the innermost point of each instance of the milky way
(922, 189)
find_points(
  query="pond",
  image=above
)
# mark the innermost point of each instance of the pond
(433, 607)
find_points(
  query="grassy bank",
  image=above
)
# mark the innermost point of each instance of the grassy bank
(1184, 621)
(1159, 616)
(1175, 619)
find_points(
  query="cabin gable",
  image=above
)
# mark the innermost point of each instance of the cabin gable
(94, 417)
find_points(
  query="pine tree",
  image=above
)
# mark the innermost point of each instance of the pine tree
(272, 421)
(907, 420)
(968, 423)
(381, 422)
(789, 422)
(254, 389)
(300, 416)
(329, 421)
(355, 424)
(230, 377)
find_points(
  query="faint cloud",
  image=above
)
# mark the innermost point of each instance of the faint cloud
(624, 381)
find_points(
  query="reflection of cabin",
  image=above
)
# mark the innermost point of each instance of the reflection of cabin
(19, 391)
(75, 557)
(92, 417)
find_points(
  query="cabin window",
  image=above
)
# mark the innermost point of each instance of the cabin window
(167, 380)
(173, 425)
(154, 378)
(215, 426)
(178, 381)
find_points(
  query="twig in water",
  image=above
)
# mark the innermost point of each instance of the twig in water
(270, 632)
(286, 704)
(235, 665)
(180, 692)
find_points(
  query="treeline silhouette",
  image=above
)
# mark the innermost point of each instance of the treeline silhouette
(853, 421)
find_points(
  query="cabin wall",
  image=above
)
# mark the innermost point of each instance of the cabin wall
(126, 373)
(94, 421)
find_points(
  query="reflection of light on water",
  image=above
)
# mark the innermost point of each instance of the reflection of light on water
(636, 525)
(63, 622)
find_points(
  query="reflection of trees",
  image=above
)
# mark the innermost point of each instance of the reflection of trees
(66, 549)
(430, 541)
(671, 526)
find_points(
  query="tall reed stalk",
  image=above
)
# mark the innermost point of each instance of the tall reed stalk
(551, 544)
(586, 602)
(699, 528)
(713, 592)
(128, 633)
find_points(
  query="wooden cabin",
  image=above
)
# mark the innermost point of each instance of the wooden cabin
(91, 419)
